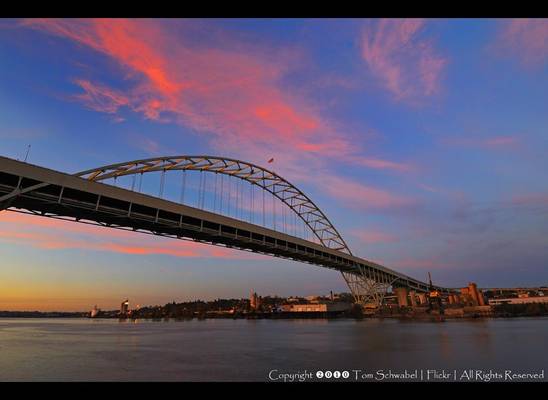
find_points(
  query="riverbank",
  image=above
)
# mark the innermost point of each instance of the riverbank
(416, 313)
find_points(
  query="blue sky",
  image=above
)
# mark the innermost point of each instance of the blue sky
(424, 141)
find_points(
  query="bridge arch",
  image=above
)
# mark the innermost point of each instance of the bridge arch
(267, 180)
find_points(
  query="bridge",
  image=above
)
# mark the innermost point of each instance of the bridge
(250, 208)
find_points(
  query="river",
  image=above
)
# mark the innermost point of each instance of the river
(262, 350)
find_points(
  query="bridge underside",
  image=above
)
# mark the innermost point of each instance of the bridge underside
(54, 194)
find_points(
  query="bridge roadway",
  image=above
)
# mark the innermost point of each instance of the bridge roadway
(51, 193)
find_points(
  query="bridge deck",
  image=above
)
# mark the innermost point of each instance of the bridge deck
(57, 194)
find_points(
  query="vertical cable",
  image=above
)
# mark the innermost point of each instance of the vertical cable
(274, 209)
(204, 192)
(228, 195)
(264, 216)
(183, 185)
(140, 182)
(162, 181)
(241, 186)
(237, 198)
(252, 208)
(241, 209)
(221, 196)
(295, 223)
(284, 212)
(215, 194)
(199, 202)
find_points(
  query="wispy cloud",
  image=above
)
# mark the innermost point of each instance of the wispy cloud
(421, 263)
(363, 197)
(100, 98)
(525, 39)
(493, 143)
(368, 237)
(406, 64)
(54, 234)
(531, 199)
(233, 95)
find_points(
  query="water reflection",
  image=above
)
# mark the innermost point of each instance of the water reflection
(226, 349)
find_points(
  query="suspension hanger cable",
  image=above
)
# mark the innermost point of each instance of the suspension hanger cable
(228, 182)
(221, 194)
(242, 199)
(162, 181)
(252, 208)
(204, 192)
(274, 208)
(264, 216)
(183, 184)
(241, 209)
(237, 198)
(295, 223)
(215, 194)
(200, 189)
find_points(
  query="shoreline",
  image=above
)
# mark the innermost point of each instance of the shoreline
(402, 317)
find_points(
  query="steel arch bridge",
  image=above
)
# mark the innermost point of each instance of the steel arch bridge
(267, 180)
(84, 197)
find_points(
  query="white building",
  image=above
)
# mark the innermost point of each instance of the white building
(519, 300)
(316, 307)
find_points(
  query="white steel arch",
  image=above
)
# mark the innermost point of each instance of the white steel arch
(269, 181)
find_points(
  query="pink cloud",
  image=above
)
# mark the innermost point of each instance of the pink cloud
(535, 199)
(364, 197)
(368, 237)
(495, 142)
(526, 39)
(501, 141)
(377, 163)
(147, 145)
(407, 65)
(55, 234)
(430, 264)
(100, 98)
(232, 93)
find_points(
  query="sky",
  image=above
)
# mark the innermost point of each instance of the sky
(423, 140)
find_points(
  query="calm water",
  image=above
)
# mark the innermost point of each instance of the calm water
(243, 350)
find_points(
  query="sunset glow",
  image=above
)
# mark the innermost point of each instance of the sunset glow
(424, 141)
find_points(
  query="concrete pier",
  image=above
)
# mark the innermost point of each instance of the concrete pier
(413, 298)
(401, 293)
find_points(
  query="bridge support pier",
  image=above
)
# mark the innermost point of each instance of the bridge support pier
(401, 293)
(366, 290)
(413, 298)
